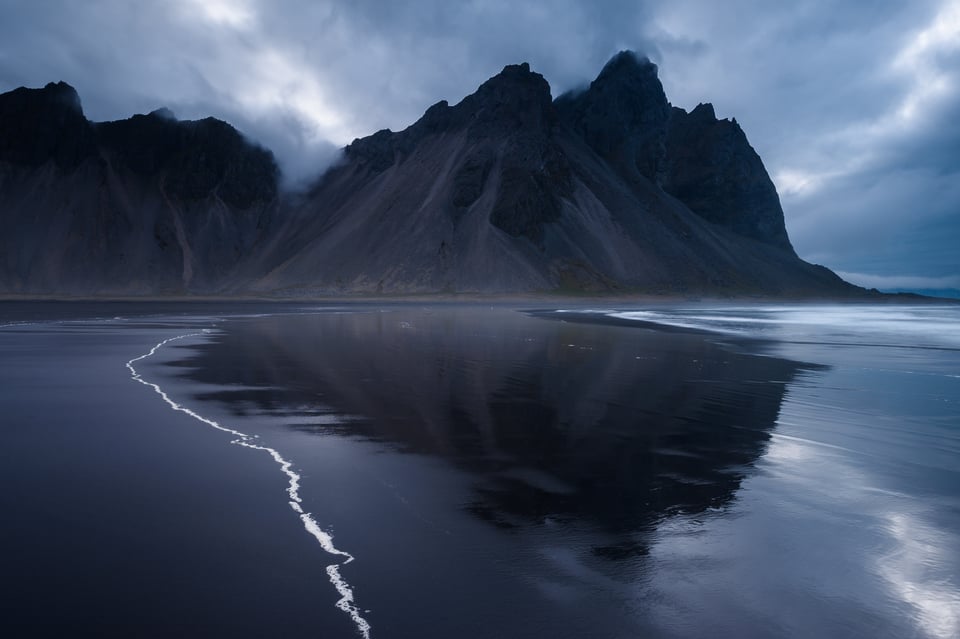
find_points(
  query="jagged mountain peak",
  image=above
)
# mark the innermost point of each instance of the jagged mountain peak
(629, 78)
(63, 94)
(623, 116)
(514, 99)
(196, 157)
(515, 102)
(714, 171)
(704, 111)
(43, 124)
(513, 81)
(626, 65)
(163, 113)
(56, 100)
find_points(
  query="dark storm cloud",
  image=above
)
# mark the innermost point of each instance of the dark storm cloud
(853, 106)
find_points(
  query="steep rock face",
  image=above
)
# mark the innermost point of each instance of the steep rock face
(40, 125)
(534, 176)
(706, 163)
(195, 158)
(141, 206)
(623, 116)
(507, 124)
(712, 168)
(460, 200)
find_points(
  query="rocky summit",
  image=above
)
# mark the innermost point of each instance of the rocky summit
(609, 189)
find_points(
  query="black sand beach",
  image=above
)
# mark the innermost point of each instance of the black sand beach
(492, 472)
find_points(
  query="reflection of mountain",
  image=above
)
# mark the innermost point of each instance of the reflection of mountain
(610, 425)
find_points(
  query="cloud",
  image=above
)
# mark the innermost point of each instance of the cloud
(888, 217)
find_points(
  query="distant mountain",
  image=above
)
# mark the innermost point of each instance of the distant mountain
(609, 189)
(942, 293)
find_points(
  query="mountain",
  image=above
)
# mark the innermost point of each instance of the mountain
(609, 189)
(148, 205)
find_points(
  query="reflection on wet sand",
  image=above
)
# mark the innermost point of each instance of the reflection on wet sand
(610, 426)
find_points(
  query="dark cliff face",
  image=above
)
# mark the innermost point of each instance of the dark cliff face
(39, 125)
(623, 116)
(195, 158)
(515, 102)
(515, 106)
(147, 205)
(509, 124)
(712, 168)
(706, 163)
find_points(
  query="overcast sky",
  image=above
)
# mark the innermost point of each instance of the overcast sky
(853, 106)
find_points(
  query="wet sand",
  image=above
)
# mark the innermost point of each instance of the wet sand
(493, 473)
(122, 518)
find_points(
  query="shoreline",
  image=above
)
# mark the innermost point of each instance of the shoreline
(494, 298)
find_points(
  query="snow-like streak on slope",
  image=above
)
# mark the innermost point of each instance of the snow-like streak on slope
(346, 602)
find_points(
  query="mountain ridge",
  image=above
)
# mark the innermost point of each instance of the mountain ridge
(607, 190)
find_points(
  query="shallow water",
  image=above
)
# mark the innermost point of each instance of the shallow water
(768, 471)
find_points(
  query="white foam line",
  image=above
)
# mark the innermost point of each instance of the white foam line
(346, 603)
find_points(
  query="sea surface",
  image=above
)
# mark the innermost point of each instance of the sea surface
(479, 471)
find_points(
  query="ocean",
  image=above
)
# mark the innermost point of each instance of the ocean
(477, 470)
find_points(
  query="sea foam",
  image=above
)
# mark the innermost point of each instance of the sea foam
(346, 603)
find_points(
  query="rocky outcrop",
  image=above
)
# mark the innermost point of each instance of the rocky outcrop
(515, 107)
(194, 158)
(706, 163)
(712, 168)
(44, 125)
(623, 116)
(508, 123)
